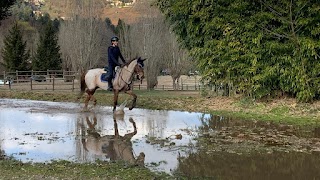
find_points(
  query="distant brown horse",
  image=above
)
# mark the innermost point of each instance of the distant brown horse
(91, 81)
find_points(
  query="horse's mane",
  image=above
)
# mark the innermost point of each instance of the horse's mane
(127, 63)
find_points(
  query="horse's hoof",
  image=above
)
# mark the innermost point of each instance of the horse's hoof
(130, 108)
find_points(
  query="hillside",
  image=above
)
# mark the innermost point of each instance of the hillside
(129, 13)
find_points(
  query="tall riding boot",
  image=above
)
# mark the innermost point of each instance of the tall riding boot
(110, 87)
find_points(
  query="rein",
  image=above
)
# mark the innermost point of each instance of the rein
(121, 77)
(128, 83)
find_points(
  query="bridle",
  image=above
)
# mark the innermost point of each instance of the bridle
(138, 77)
(131, 72)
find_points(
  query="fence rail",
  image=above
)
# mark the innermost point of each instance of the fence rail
(53, 80)
(40, 80)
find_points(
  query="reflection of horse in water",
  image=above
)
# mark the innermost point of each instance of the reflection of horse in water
(115, 147)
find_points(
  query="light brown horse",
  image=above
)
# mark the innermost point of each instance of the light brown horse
(91, 81)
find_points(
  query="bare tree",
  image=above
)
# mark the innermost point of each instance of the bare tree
(83, 37)
(123, 32)
(145, 38)
(151, 37)
(175, 59)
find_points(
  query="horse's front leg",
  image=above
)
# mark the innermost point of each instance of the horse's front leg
(134, 101)
(115, 99)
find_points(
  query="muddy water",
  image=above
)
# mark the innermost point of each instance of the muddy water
(43, 131)
(189, 144)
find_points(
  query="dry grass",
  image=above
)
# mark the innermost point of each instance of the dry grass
(127, 14)
(60, 8)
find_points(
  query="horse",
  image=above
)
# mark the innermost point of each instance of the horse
(91, 81)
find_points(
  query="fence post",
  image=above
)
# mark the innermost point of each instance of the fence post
(181, 83)
(72, 84)
(53, 83)
(48, 74)
(30, 83)
(4, 75)
(17, 76)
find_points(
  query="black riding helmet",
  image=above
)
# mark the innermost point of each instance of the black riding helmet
(114, 38)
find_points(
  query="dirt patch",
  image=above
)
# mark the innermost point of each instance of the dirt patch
(221, 103)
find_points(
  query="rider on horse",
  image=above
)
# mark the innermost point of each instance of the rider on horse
(113, 55)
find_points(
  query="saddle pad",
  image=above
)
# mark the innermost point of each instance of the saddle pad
(104, 77)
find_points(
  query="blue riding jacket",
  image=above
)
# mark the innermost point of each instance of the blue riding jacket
(113, 55)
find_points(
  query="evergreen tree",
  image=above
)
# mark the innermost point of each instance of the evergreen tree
(14, 52)
(109, 25)
(47, 55)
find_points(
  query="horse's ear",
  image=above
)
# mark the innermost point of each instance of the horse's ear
(140, 59)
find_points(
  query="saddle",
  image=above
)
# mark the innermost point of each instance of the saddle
(104, 76)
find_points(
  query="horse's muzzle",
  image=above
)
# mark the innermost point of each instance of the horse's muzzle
(140, 78)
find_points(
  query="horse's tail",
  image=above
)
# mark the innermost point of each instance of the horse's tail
(82, 85)
(83, 82)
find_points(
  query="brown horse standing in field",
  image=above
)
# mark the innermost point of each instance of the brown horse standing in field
(91, 81)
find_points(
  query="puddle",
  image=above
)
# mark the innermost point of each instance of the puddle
(37, 131)
(191, 144)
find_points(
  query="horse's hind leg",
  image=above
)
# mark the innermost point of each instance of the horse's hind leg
(79, 97)
(86, 102)
(90, 97)
(94, 100)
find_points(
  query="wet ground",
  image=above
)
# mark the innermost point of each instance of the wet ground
(40, 131)
(182, 143)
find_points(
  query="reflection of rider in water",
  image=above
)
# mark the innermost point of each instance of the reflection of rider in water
(115, 147)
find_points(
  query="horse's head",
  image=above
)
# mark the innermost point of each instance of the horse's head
(139, 68)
